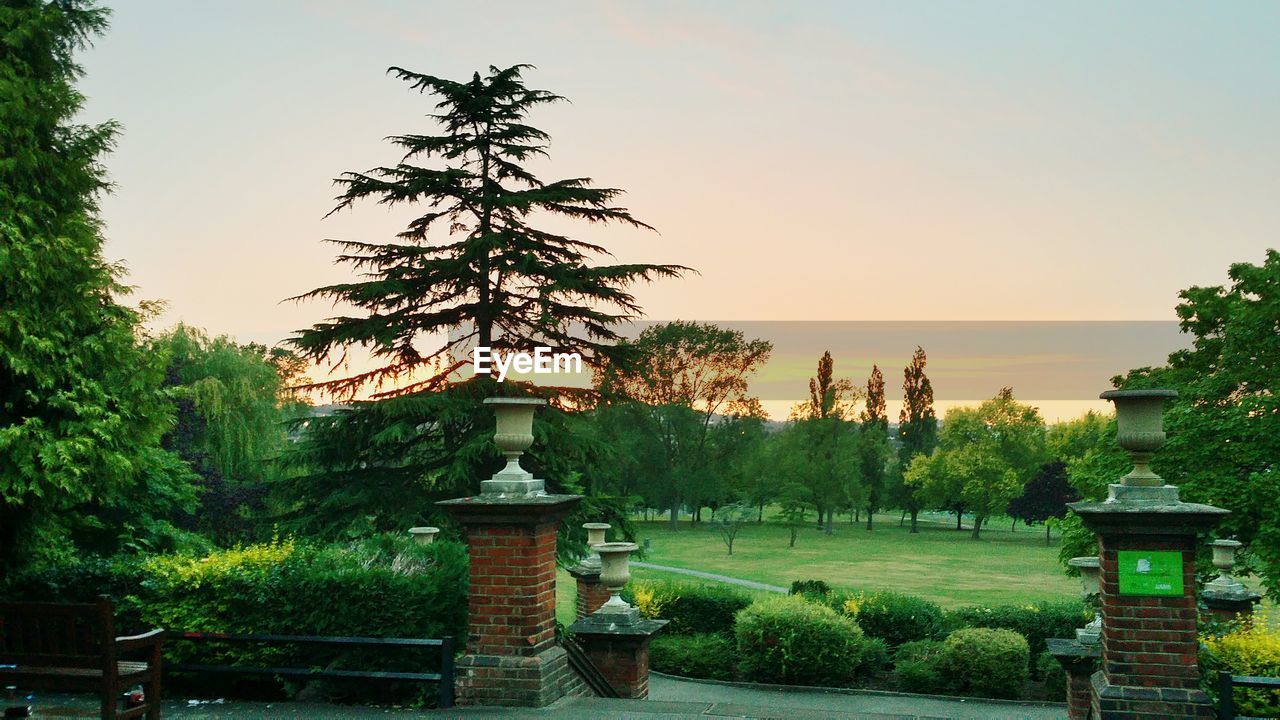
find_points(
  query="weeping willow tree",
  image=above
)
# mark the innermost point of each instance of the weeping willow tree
(483, 263)
(233, 406)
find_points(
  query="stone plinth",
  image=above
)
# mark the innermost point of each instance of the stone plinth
(511, 653)
(1232, 604)
(591, 592)
(620, 652)
(1149, 646)
(1080, 660)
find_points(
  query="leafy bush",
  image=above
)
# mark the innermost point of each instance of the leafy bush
(708, 655)
(919, 666)
(1036, 622)
(987, 662)
(793, 641)
(691, 609)
(388, 587)
(1250, 649)
(1053, 675)
(810, 587)
(894, 617)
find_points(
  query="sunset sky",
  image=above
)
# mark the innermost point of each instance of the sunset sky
(814, 161)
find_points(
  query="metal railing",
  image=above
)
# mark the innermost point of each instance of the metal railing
(1227, 683)
(445, 677)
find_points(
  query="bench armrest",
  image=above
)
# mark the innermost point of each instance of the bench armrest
(136, 642)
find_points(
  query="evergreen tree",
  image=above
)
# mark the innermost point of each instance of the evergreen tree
(874, 447)
(832, 467)
(473, 268)
(917, 427)
(1044, 497)
(81, 411)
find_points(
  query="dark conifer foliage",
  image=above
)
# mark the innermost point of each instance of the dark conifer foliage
(474, 264)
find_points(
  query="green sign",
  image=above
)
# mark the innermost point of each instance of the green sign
(1150, 572)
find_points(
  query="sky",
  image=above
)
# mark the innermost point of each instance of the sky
(862, 161)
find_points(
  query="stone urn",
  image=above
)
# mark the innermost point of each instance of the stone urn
(1090, 568)
(1140, 430)
(424, 535)
(513, 435)
(614, 574)
(1224, 558)
(595, 536)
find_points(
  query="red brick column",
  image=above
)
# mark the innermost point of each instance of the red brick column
(1150, 664)
(591, 592)
(1079, 660)
(511, 653)
(620, 653)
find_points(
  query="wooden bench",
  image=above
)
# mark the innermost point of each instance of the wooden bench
(64, 646)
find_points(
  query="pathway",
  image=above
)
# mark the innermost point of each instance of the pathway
(712, 576)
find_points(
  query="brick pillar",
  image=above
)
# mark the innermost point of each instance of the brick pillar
(591, 592)
(511, 653)
(620, 653)
(1080, 661)
(1150, 665)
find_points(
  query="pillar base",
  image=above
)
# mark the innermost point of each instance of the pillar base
(515, 680)
(620, 652)
(1080, 660)
(1121, 702)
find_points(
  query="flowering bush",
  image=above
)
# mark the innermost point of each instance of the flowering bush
(1250, 649)
(790, 640)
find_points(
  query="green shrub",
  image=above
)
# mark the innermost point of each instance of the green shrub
(1053, 675)
(810, 587)
(894, 617)
(385, 587)
(709, 655)
(691, 609)
(1249, 649)
(1037, 622)
(876, 655)
(790, 640)
(918, 665)
(987, 662)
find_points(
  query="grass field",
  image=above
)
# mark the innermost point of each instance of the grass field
(938, 563)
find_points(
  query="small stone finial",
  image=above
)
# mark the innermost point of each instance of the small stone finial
(595, 536)
(1224, 558)
(424, 535)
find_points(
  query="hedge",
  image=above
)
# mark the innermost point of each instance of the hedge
(894, 617)
(692, 609)
(704, 656)
(1036, 622)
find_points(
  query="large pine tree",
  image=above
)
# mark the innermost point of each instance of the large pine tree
(480, 265)
(475, 264)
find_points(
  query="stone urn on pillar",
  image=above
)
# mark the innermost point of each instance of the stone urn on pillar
(512, 656)
(615, 637)
(1227, 598)
(1147, 541)
(1090, 568)
(591, 592)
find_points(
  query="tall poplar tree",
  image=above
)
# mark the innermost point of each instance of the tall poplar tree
(481, 264)
(917, 427)
(826, 421)
(874, 448)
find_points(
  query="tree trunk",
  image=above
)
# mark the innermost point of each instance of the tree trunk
(977, 525)
(793, 538)
(675, 513)
(869, 513)
(831, 520)
(902, 520)
(959, 517)
(760, 516)
(914, 514)
(1014, 526)
(1046, 533)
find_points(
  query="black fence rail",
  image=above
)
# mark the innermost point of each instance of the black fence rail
(445, 676)
(1227, 683)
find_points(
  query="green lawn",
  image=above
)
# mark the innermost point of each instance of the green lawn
(938, 563)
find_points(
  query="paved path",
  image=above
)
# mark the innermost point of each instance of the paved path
(668, 698)
(712, 576)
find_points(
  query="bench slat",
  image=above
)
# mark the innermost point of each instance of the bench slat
(307, 639)
(305, 672)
